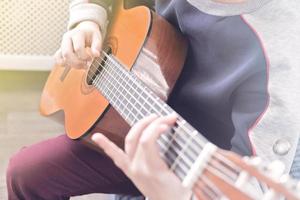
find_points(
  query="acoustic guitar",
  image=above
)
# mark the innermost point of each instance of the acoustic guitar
(141, 61)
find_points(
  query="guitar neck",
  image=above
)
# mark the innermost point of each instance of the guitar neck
(181, 146)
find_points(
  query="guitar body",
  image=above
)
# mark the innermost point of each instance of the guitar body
(140, 40)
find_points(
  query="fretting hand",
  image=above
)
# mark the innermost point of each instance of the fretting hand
(141, 160)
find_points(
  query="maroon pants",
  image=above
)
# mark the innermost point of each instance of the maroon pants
(59, 168)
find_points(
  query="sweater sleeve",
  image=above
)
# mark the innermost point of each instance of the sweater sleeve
(89, 10)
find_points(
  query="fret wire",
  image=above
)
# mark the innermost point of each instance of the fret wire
(174, 136)
(108, 89)
(179, 171)
(127, 103)
(186, 165)
(127, 94)
(117, 100)
(118, 104)
(183, 149)
(105, 87)
(178, 144)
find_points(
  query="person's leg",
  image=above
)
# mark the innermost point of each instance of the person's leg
(59, 168)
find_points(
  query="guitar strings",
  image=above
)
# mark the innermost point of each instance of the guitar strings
(108, 80)
(103, 67)
(162, 108)
(213, 189)
(209, 170)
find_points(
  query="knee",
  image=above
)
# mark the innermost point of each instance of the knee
(13, 171)
(17, 173)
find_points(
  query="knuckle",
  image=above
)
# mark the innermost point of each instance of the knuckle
(134, 170)
(140, 172)
(66, 54)
(66, 35)
(77, 48)
(144, 142)
(128, 140)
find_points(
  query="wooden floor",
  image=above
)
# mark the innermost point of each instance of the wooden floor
(20, 122)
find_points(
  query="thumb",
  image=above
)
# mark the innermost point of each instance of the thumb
(113, 151)
(58, 57)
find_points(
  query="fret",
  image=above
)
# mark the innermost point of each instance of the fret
(199, 165)
(178, 144)
(126, 115)
(109, 92)
(105, 89)
(181, 174)
(183, 149)
(122, 107)
(184, 159)
(193, 148)
(139, 91)
(99, 78)
(122, 91)
(111, 95)
(121, 104)
(168, 109)
(143, 110)
(179, 171)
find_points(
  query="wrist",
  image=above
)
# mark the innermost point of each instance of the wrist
(80, 12)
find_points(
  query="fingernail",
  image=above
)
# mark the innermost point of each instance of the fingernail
(174, 114)
(96, 53)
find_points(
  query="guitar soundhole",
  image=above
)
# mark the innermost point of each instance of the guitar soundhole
(97, 65)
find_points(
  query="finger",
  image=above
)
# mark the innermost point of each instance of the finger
(58, 57)
(133, 136)
(113, 151)
(96, 45)
(151, 134)
(79, 45)
(69, 57)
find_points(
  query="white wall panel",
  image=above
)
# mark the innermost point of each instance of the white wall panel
(30, 32)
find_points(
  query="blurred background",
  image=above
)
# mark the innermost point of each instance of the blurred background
(30, 33)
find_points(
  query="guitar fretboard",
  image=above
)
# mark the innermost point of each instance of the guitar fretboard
(180, 146)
